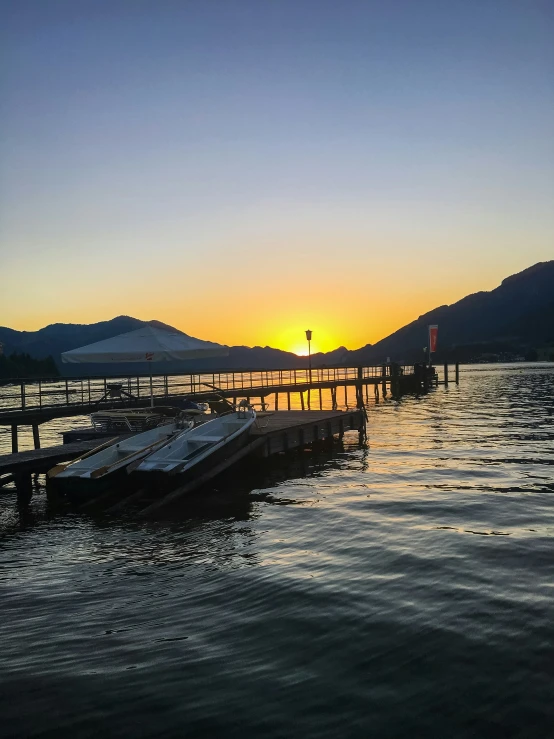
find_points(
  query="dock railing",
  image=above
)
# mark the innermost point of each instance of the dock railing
(25, 394)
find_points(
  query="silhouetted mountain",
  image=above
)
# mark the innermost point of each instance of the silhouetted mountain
(517, 316)
(60, 337)
(52, 340)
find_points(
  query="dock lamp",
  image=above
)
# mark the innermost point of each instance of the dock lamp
(309, 337)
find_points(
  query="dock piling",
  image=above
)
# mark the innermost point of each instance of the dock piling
(36, 436)
(15, 445)
(24, 487)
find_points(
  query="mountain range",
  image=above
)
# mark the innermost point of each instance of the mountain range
(517, 317)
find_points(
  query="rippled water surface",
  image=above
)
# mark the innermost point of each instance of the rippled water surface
(403, 589)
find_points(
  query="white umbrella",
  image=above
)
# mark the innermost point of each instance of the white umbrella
(146, 344)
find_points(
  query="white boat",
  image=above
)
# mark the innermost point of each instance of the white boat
(108, 461)
(202, 446)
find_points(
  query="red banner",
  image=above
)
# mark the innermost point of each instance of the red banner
(433, 336)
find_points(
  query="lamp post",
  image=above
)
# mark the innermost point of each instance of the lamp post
(309, 337)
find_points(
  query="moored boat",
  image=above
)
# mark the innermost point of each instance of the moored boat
(97, 470)
(187, 455)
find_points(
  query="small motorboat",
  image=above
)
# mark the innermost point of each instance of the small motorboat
(189, 453)
(107, 463)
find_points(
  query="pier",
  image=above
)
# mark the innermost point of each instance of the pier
(276, 432)
(280, 428)
(32, 402)
(20, 467)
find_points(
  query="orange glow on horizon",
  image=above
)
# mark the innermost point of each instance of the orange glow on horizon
(275, 314)
(250, 196)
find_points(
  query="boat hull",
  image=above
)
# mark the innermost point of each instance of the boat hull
(82, 489)
(89, 477)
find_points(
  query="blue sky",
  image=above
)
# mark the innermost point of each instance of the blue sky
(154, 152)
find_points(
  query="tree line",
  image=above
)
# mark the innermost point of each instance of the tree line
(23, 365)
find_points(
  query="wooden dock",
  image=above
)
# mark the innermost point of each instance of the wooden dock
(35, 401)
(274, 433)
(20, 467)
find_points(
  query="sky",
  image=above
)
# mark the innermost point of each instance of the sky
(247, 169)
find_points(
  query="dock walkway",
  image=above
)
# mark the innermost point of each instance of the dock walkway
(41, 460)
(33, 402)
(275, 432)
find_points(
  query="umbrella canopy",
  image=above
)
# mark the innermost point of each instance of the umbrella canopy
(146, 344)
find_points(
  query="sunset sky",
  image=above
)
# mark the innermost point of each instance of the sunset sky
(247, 169)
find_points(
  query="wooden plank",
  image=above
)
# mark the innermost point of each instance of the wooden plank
(42, 459)
(289, 419)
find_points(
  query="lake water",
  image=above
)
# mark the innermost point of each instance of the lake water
(402, 589)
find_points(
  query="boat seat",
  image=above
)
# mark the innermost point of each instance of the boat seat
(202, 439)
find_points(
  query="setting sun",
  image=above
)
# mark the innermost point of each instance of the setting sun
(293, 338)
(299, 349)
